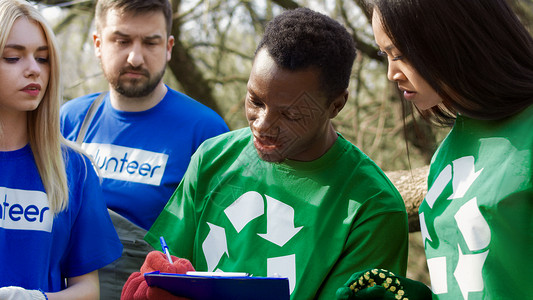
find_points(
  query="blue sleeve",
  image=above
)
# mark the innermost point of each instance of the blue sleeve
(202, 122)
(215, 127)
(94, 242)
(72, 114)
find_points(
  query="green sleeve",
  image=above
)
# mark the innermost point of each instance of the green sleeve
(379, 242)
(177, 222)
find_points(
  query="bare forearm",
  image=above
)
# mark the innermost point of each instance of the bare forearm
(84, 287)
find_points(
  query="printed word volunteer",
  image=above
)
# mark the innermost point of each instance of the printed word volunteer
(128, 164)
(15, 213)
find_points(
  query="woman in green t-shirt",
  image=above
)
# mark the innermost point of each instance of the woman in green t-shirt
(468, 64)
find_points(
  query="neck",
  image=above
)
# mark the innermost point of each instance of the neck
(320, 146)
(122, 103)
(13, 131)
(330, 139)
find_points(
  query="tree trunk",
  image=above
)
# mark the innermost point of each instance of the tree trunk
(412, 185)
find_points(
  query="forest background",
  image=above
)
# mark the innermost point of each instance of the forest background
(212, 58)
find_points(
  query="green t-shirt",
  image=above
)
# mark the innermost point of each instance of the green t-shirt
(314, 222)
(477, 218)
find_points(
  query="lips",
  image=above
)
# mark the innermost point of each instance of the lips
(33, 89)
(407, 94)
(266, 144)
(134, 73)
(403, 89)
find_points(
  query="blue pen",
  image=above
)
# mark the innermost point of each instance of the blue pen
(165, 248)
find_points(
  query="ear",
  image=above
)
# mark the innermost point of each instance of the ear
(170, 44)
(338, 104)
(97, 42)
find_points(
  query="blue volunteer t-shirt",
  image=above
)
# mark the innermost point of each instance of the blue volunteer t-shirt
(142, 156)
(38, 250)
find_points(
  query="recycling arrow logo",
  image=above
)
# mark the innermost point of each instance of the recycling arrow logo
(471, 224)
(280, 229)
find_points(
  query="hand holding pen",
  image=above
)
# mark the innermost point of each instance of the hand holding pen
(165, 249)
(155, 261)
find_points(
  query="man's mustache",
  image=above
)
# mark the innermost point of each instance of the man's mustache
(135, 70)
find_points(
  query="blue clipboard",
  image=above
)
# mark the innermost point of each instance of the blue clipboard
(214, 287)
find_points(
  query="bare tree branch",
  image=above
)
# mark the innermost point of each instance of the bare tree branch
(185, 70)
(287, 4)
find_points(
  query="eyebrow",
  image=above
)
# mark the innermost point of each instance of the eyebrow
(152, 37)
(21, 47)
(390, 47)
(254, 95)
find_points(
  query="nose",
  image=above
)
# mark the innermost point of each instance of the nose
(33, 68)
(394, 73)
(266, 123)
(135, 56)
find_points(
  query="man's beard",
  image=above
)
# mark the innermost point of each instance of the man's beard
(134, 88)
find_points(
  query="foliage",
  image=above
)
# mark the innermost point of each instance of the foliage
(211, 60)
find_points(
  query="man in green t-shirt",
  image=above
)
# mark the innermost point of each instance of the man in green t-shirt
(289, 196)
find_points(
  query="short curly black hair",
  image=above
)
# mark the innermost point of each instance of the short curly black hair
(301, 38)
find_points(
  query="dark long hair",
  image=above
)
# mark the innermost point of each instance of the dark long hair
(475, 53)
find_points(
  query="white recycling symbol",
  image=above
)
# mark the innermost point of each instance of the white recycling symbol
(280, 229)
(473, 227)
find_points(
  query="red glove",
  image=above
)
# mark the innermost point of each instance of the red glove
(136, 287)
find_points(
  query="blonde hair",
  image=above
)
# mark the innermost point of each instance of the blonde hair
(44, 134)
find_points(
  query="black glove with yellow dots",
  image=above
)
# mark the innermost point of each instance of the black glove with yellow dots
(382, 284)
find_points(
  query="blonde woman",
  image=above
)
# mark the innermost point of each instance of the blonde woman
(55, 232)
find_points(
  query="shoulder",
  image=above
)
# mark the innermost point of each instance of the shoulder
(81, 103)
(73, 113)
(525, 114)
(229, 139)
(75, 110)
(77, 162)
(191, 107)
(367, 176)
(523, 119)
(356, 155)
(229, 143)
